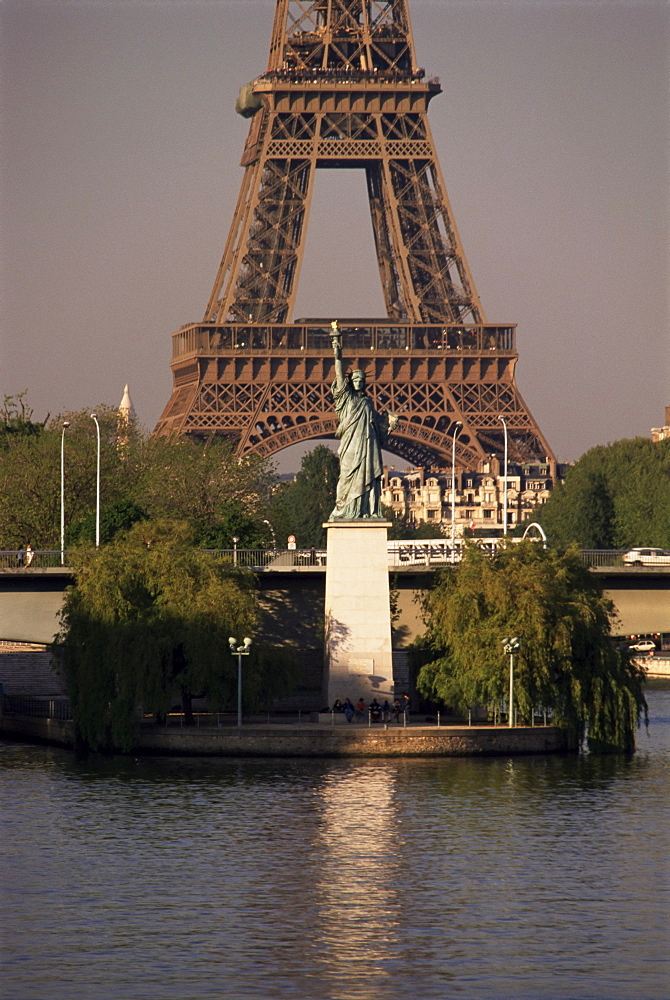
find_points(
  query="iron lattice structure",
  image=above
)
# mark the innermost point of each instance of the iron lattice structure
(343, 90)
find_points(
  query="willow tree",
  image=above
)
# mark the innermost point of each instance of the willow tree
(147, 623)
(567, 661)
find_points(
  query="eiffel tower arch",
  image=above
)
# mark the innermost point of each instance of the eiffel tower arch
(343, 90)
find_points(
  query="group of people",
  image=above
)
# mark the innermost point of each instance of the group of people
(377, 713)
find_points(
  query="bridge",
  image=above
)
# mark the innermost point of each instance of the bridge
(32, 596)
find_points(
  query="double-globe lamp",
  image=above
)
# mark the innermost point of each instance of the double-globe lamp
(239, 651)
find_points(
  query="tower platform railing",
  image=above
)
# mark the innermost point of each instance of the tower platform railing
(389, 338)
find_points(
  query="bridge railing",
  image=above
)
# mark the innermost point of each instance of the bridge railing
(401, 553)
(603, 557)
(40, 559)
(259, 559)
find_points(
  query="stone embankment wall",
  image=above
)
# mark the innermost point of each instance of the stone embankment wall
(313, 740)
(324, 741)
(23, 727)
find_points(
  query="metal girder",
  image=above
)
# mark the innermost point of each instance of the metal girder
(264, 387)
(343, 90)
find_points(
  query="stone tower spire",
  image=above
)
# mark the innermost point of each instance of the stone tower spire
(126, 409)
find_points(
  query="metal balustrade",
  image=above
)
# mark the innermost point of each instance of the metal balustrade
(36, 707)
(310, 338)
(41, 559)
(431, 552)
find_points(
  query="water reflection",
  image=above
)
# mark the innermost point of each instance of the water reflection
(311, 880)
(360, 885)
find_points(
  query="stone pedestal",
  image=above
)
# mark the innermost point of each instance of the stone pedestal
(358, 659)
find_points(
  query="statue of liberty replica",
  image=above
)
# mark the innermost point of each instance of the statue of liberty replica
(362, 433)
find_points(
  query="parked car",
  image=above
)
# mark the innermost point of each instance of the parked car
(643, 646)
(646, 557)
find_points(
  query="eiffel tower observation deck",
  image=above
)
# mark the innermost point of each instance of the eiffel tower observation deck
(343, 90)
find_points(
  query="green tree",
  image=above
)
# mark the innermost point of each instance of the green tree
(301, 507)
(114, 518)
(206, 484)
(567, 663)
(16, 419)
(147, 623)
(615, 496)
(30, 478)
(403, 528)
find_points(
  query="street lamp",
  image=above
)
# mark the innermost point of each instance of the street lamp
(504, 423)
(66, 424)
(94, 416)
(511, 646)
(457, 427)
(272, 532)
(235, 541)
(239, 651)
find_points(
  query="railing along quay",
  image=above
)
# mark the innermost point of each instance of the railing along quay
(35, 707)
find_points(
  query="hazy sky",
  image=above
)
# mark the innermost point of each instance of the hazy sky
(120, 171)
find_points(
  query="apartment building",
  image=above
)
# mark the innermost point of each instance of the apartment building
(478, 499)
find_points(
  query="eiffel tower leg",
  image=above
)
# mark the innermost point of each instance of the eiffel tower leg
(257, 278)
(342, 90)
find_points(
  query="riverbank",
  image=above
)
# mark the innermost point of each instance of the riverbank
(313, 739)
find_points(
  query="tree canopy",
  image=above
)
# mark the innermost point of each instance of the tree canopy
(567, 660)
(16, 419)
(615, 496)
(301, 507)
(147, 624)
(403, 527)
(140, 477)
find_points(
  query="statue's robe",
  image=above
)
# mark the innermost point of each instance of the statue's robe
(362, 433)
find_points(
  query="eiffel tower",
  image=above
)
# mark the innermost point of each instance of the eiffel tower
(343, 90)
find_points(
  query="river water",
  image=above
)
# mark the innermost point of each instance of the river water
(542, 877)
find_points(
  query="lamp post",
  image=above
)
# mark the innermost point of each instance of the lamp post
(235, 541)
(94, 416)
(272, 532)
(457, 427)
(66, 424)
(504, 423)
(511, 646)
(239, 651)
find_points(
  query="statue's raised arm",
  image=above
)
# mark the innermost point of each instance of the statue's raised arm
(362, 432)
(336, 341)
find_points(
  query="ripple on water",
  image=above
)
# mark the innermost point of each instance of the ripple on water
(349, 880)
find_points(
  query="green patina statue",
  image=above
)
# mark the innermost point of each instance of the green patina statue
(362, 433)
